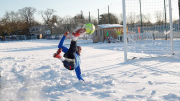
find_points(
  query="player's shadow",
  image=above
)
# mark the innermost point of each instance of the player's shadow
(35, 48)
(105, 68)
(155, 70)
(32, 49)
(152, 67)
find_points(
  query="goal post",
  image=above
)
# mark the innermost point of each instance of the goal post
(124, 29)
(171, 25)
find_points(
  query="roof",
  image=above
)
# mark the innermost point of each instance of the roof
(110, 25)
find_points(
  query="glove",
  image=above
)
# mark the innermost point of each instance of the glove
(81, 81)
(66, 33)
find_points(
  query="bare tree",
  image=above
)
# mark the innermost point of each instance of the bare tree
(9, 22)
(144, 19)
(148, 19)
(79, 18)
(120, 19)
(3, 24)
(27, 14)
(1, 29)
(68, 21)
(60, 24)
(14, 21)
(159, 17)
(131, 19)
(105, 20)
(53, 24)
(54, 19)
(94, 21)
(46, 15)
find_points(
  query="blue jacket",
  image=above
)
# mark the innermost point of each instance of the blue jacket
(77, 58)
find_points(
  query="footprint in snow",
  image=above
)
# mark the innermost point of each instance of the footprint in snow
(150, 83)
(143, 77)
(153, 92)
(139, 90)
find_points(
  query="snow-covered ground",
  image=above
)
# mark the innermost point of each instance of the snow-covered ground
(30, 73)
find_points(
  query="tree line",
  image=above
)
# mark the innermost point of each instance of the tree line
(20, 21)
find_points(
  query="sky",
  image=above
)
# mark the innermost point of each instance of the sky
(70, 8)
(62, 7)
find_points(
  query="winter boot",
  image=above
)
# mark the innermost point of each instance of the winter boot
(79, 32)
(58, 53)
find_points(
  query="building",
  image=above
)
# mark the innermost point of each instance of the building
(106, 31)
(40, 31)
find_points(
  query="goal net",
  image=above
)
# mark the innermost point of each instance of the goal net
(148, 28)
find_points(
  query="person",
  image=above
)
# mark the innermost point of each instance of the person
(71, 59)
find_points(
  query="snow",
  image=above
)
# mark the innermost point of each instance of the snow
(30, 73)
(110, 25)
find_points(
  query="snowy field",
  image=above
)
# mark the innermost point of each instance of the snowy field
(30, 73)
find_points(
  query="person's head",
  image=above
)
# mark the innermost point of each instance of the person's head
(79, 50)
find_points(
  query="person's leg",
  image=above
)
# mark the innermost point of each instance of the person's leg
(72, 50)
(73, 47)
(61, 42)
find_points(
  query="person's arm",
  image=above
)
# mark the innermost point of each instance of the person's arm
(64, 49)
(78, 73)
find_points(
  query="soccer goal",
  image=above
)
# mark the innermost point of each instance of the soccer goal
(153, 28)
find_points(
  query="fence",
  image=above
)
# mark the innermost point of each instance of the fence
(18, 38)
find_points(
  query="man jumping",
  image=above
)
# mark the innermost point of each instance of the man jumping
(71, 59)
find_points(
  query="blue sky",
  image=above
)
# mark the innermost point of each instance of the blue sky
(62, 7)
(72, 7)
